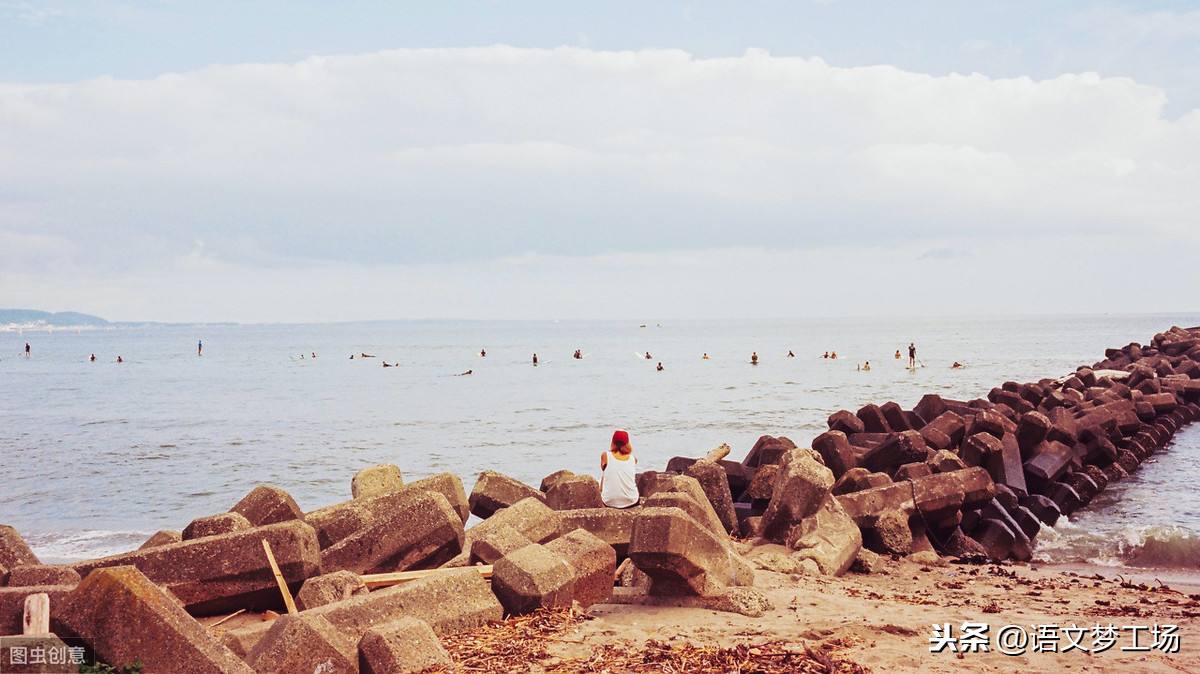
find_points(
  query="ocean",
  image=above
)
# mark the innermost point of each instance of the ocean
(99, 455)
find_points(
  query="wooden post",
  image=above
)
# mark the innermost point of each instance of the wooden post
(37, 615)
(283, 588)
(718, 453)
(374, 580)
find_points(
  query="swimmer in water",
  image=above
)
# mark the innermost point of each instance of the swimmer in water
(705, 356)
(648, 356)
(867, 366)
(119, 360)
(956, 366)
(482, 353)
(462, 374)
(754, 358)
(535, 359)
(897, 354)
(92, 358)
(660, 367)
(790, 354)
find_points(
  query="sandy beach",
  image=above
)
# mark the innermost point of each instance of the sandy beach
(877, 622)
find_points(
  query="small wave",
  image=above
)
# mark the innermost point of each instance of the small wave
(73, 546)
(1142, 547)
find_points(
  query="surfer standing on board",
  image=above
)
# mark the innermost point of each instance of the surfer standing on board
(912, 354)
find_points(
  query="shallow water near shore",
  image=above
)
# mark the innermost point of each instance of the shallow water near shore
(98, 455)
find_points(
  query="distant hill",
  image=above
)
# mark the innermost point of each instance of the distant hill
(63, 319)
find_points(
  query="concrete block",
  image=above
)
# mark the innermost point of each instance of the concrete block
(829, 538)
(715, 483)
(681, 556)
(163, 537)
(268, 505)
(215, 525)
(378, 479)
(486, 549)
(304, 643)
(873, 419)
(14, 551)
(328, 588)
(836, 452)
(12, 604)
(219, 574)
(550, 479)
(610, 525)
(846, 422)
(896, 450)
(531, 578)
(573, 492)
(421, 531)
(29, 575)
(494, 491)
(127, 618)
(593, 562)
(335, 522)
(400, 647)
(800, 489)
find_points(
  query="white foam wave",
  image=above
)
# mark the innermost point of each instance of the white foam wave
(1133, 546)
(64, 547)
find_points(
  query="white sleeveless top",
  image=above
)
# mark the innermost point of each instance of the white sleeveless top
(620, 486)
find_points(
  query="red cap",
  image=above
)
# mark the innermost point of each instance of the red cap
(620, 438)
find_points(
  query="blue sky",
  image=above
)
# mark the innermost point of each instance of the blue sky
(270, 161)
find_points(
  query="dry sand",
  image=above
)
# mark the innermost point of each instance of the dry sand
(883, 622)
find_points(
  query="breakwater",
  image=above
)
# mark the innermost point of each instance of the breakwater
(959, 477)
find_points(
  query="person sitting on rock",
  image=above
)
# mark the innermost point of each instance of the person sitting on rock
(618, 486)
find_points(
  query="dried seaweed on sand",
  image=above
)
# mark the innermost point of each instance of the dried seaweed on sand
(522, 643)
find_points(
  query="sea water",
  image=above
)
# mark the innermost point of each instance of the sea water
(98, 455)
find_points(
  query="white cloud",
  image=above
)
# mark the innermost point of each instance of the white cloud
(402, 166)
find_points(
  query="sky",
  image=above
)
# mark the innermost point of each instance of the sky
(266, 161)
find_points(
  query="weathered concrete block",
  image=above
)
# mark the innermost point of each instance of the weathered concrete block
(494, 491)
(574, 492)
(532, 577)
(401, 646)
(762, 487)
(943, 461)
(28, 575)
(268, 505)
(889, 534)
(421, 531)
(223, 573)
(873, 419)
(163, 537)
(328, 588)
(378, 479)
(829, 538)
(846, 422)
(12, 604)
(611, 525)
(336, 522)
(895, 417)
(835, 450)
(127, 618)
(681, 556)
(995, 537)
(495, 544)
(849, 482)
(451, 601)
(593, 562)
(768, 450)
(1048, 462)
(14, 551)
(931, 406)
(304, 643)
(715, 483)
(937, 496)
(550, 479)
(977, 449)
(896, 450)
(700, 510)
(215, 525)
(1044, 508)
(800, 489)
(530, 517)
(960, 545)
(912, 471)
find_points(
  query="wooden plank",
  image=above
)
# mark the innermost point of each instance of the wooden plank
(37, 615)
(374, 580)
(283, 588)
